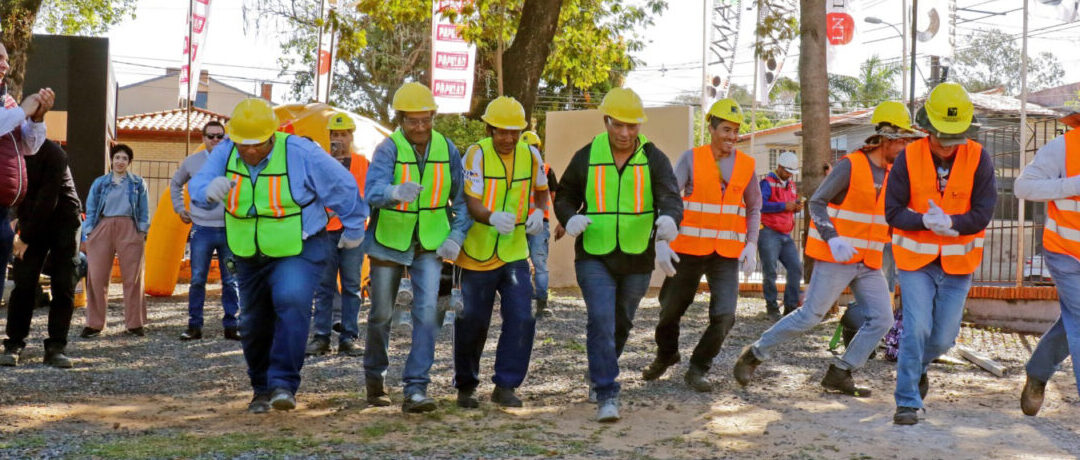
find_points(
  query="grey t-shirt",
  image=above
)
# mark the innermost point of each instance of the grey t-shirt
(684, 174)
(834, 190)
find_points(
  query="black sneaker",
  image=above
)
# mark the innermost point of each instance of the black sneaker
(466, 398)
(906, 416)
(282, 399)
(137, 332)
(192, 333)
(260, 404)
(505, 397)
(89, 333)
(231, 333)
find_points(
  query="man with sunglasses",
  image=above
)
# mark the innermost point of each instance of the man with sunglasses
(207, 237)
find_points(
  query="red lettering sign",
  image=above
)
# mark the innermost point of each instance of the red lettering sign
(840, 28)
(449, 88)
(451, 61)
(448, 33)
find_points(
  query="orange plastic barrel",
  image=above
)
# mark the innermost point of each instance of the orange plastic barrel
(165, 247)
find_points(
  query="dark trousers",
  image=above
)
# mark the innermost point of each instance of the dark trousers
(677, 293)
(7, 235)
(59, 248)
(512, 355)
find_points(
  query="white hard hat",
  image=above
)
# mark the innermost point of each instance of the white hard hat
(789, 161)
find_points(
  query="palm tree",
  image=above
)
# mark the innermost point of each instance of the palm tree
(873, 85)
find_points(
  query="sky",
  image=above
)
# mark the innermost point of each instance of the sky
(244, 56)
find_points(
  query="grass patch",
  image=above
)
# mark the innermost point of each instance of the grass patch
(36, 441)
(378, 428)
(573, 345)
(187, 446)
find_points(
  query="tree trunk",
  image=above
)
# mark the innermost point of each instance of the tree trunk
(17, 19)
(814, 83)
(526, 57)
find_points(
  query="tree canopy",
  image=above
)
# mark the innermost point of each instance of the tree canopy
(990, 58)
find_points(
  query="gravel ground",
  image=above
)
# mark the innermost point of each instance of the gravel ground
(157, 397)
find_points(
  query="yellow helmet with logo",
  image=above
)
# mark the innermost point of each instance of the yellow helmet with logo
(949, 109)
(252, 122)
(340, 121)
(505, 112)
(414, 97)
(623, 104)
(727, 109)
(892, 112)
(531, 138)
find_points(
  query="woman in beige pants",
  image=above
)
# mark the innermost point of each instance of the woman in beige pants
(117, 219)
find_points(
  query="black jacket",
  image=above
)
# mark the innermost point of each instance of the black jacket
(51, 202)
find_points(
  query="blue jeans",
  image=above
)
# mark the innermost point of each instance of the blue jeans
(347, 263)
(512, 355)
(276, 293)
(538, 253)
(385, 278)
(826, 284)
(774, 246)
(7, 239)
(1064, 335)
(611, 302)
(933, 303)
(204, 241)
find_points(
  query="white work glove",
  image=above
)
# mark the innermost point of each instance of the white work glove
(218, 189)
(503, 222)
(448, 250)
(938, 222)
(405, 192)
(666, 229)
(576, 225)
(349, 243)
(535, 223)
(748, 258)
(842, 251)
(665, 258)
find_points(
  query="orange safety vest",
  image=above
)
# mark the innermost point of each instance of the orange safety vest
(960, 255)
(1062, 231)
(859, 219)
(714, 219)
(358, 167)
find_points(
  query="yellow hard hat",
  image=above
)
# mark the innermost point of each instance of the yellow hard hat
(414, 97)
(623, 104)
(949, 109)
(892, 112)
(340, 121)
(252, 122)
(531, 138)
(505, 112)
(727, 109)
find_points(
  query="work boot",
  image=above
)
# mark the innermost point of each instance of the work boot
(695, 378)
(10, 357)
(505, 397)
(192, 333)
(659, 365)
(231, 333)
(55, 357)
(417, 403)
(1031, 398)
(282, 399)
(541, 309)
(136, 331)
(376, 395)
(260, 404)
(89, 333)
(466, 398)
(608, 411)
(837, 379)
(318, 346)
(773, 315)
(906, 416)
(746, 365)
(349, 348)
(924, 386)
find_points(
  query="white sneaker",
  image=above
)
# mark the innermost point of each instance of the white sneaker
(608, 411)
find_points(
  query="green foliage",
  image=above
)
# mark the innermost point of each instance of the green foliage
(777, 28)
(991, 58)
(83, 17)
(1074, 103)
(874, 84)
(185, 445)
(462, 131)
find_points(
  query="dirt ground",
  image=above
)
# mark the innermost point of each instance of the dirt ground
(157, 397)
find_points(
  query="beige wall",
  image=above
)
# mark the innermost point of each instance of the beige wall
(161, 94)
(670, 128)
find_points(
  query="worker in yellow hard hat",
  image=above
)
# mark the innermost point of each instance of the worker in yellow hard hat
(275, 187)
(614, 192)
(717, 234)
(506, 193)
(345, 263)
(419, 218)
(538, 243)
(940, 197)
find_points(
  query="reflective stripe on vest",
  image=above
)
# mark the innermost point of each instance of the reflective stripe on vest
(1062, 231)
(714, 219)
(859, 219)
(619, 203)
(484, 242)
(260, 215)
(532, 200)
(960, 255)
(426, 216)
(358, 166)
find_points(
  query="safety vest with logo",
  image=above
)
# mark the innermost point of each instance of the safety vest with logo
(714, 218)
(780, 192)
(914, 249)
(358, 166)
(619, 202)
(260, 214)
(859, 219)
(484, 242)
(1062, 231)
(396, 225)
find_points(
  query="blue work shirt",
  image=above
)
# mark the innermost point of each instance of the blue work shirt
(380, 177)
(314, 177)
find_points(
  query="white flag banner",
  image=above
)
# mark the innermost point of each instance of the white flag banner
(453, 61)
(324, 61)
(1061, 10)
(936, 28)
(769, 69)
(843, 35)
(197, 24)
(722, 42)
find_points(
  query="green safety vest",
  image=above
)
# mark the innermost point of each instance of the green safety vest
(260, 214)
(619, 203)
(396, 225)
(483, 241)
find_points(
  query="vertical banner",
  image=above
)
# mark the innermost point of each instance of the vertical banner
(197, 23)
(769, 68)
(843, 38)
(722, 40)
(936, 32)
(453, 61)
(324, 60)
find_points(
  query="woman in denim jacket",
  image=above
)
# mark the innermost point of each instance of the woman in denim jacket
(117, 219)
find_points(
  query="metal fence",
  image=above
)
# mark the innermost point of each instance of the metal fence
(157, 174)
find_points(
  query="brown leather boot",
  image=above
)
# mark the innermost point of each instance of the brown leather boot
(837, 379)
